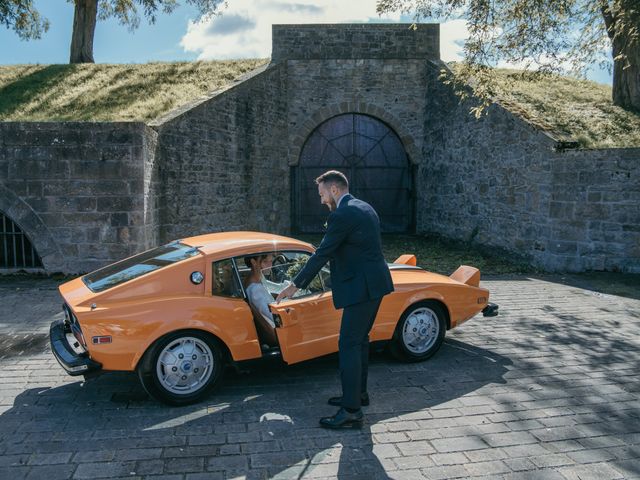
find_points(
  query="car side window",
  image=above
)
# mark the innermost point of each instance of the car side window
(286, 266)
(225, 280)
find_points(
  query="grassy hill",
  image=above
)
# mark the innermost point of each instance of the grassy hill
(573, 109)
(576, 109)
(101, 92)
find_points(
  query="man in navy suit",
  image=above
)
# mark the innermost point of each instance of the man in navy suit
(359, 279)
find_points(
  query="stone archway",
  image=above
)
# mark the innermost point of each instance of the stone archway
(374, 159)
(33, 227)
(16, 249)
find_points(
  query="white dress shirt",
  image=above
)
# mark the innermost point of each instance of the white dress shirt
(260, 298)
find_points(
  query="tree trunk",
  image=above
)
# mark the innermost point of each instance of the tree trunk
(626, 73)
(84, 26)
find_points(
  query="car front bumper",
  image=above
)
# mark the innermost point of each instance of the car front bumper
(74, 363)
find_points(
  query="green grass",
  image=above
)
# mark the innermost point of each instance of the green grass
(578, 110)
(442, 255)
(574, 109)
(101, 92)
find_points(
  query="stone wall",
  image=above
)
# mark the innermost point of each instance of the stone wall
(355, 41)
(76, 190)
(88, 194)
(499, 181)
(152, 187)
(320, 89)
(223, 163)
(594, 210)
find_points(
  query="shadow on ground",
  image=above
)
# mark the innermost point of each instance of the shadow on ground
(610, 283)
(256, 424)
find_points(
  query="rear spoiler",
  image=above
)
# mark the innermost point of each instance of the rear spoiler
(406, 259)
(467, 275)
(404, 262)
(471, 276)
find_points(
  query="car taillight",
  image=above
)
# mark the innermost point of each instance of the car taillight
(101, 339)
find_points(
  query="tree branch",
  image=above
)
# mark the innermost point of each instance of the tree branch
(609, 19)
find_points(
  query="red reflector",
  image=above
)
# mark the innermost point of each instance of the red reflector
(102, 339)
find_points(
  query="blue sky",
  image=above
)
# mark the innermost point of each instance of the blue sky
(113, 43)
(242, 31)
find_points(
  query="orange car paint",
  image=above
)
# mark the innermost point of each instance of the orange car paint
(139, 312)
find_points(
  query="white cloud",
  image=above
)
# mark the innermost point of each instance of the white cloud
(452, 36)
(244, 28)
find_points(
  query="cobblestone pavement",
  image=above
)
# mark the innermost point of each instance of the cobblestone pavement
(549, 389)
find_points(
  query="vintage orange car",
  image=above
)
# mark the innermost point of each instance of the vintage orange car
(178, 314)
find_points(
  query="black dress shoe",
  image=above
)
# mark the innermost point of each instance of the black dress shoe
(337, 401)
(343, 419)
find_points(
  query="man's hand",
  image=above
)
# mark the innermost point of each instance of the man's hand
(287, 293)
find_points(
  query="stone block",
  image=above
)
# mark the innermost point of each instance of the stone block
(104, 470)
(38, 169)
(458, 444)
(120, 154)
(562, 210)
(119, 219)
(184, 465)
(115, 204)
(562, 247)
(121, 134)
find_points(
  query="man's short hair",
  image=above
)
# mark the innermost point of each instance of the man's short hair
(334, 177)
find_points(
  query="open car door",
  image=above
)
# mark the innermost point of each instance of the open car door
(309, 326)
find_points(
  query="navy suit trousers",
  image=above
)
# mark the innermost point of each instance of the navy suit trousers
(353, 345)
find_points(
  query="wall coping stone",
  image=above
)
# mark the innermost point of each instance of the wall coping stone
(355, 41)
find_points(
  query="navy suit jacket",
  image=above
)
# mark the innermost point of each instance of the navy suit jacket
(352, 245)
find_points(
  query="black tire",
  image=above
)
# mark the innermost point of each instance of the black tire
(199, 351)
(428, 315)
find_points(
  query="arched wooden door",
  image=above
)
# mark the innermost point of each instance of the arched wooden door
(374, 160)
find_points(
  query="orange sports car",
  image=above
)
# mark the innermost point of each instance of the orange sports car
(178, 314)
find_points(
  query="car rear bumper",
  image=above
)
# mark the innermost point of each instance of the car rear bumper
(491, 310)
(74, 363)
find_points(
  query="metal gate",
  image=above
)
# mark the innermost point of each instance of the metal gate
(374, 160)
(16, 251)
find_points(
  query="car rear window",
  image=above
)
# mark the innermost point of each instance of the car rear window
(138, 265)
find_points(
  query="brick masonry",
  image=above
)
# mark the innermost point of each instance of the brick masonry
(91, 193)
(78, 190)
(500, 181)
(223, 163)
(357, 41)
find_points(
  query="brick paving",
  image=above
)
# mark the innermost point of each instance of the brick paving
(547, 390)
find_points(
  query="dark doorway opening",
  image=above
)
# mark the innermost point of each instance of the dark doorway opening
(374, 160)
(16, 250)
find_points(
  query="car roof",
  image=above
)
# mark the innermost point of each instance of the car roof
(235, 243)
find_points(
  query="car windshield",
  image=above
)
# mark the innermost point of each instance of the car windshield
(138, 265)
